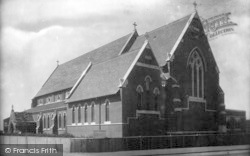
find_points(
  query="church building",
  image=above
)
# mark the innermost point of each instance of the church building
(165, 81)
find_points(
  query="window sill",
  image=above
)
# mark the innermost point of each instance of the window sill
(86, 123)
(79, 123)
(147, 112)
(196, 99)
(92, 123)
(176, 100)
(107, 122)
(73, 124)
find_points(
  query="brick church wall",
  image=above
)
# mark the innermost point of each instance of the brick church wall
(112, 129)
(129, 99)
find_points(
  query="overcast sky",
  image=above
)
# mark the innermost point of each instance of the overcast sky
(37, 33)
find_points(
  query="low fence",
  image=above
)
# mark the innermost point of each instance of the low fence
(132, 143)
(157, 142)
(5, 139)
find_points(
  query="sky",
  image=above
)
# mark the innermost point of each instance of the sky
(35, 34)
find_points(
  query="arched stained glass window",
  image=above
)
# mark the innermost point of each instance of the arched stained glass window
(139, 91)
(48, 122)
(107, 110)
(147, 81)
(73, 114)
(156, 93)
(196, 71)
(64, 120)
(44, 121)
(86, 113)
(92, 112)
(60, 120)
(79, 114)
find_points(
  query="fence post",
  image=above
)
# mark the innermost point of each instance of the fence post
(140, 142)
(182, 141)
(170, 141)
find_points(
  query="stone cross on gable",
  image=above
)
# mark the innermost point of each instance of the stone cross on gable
(134, 24)
(195, 6)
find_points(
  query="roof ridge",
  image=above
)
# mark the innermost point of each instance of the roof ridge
(47, 80)
(184, 30)
(125, 54)
(166, 25)
(129, 40)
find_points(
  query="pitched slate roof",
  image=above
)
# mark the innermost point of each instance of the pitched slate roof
(23, 117)
(47, 107)
(66, 75)
(103, 78)
(163, 39)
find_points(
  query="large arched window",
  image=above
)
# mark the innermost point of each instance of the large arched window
(156, 97)
(196, 72)
(139, 91)
(79, 114)
(107, 110)
(92, 112)
(86, 113)
(73, 114)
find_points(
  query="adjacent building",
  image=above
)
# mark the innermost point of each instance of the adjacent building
(236, 120)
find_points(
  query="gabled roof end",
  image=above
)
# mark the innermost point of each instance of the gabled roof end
(181, 35)
(79, 80)
(129, 42)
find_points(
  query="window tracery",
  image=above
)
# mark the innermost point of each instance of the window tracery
(196, 72)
